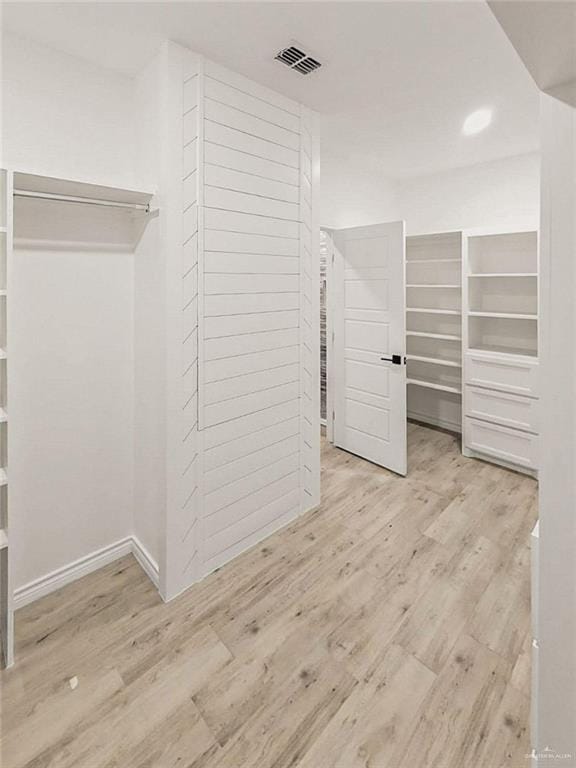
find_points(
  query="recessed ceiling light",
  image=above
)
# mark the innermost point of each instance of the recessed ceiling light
(477, 121)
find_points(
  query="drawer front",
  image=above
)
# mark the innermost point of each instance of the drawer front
(511, 445)
(503, 408)
(506, 374)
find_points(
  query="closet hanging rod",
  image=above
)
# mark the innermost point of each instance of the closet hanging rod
(145, 207)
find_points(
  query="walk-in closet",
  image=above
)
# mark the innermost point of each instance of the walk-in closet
(469, 349)
(163, 376)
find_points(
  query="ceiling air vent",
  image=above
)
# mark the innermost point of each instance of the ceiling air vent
(296, 59)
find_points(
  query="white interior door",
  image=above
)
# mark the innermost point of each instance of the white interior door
(369, 376)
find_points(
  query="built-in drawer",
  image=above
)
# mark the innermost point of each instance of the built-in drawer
(509, 373)
(510, 445)
(516, 411)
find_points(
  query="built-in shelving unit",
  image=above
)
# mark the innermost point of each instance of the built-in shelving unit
(6, 609)
(433, 323)
(500, 308)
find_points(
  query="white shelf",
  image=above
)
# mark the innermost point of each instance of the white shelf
(431, 385)
(434, 360)
(434, 311)
(504, 315)
(28, 182)
(501, 349)
(3, 415)
(3, 539)
(3, 354)
(427, 335)
(3, 477)
(430, 285)
(3, 292)
(433, 261)
(3, 230)
(503, 274)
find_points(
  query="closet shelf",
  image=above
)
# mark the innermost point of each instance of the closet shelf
(432, 385)
(432, 261)
(503, 315)
(3, 477)
(3, 539)
(426, 335)
(3, 354)
(3, 415)
(434, 311)
(431, 285)
(434, 360)
(3, 230)
(3, 292)
(502, 349)
(31, 183)
(503, 274)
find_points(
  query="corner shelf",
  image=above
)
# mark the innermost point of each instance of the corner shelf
(3, 539)
(3, 416)
(3, 477)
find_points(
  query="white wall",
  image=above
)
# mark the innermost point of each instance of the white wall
(351, 195)
(149, 441)
(149, 332)
(65, 117)
(556, 622)
(503, 193)
(71, 383)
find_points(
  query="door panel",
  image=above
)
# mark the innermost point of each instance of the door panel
(369, 324)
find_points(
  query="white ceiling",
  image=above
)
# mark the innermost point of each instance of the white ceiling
(397, 82)
(544, 34)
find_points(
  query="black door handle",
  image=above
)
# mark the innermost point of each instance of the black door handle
(396, 359)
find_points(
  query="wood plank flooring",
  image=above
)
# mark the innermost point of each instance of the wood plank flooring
(388, 629)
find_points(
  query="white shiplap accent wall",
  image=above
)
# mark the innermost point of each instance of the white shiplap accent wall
(189, 534)
(250, 398)
(243, 357)
(309, 312)
(179, 109)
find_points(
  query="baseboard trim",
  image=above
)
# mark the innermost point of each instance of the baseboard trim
(451, 426)
(43, 586)
(146, 561)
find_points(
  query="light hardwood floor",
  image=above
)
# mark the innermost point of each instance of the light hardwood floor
(389, 629)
